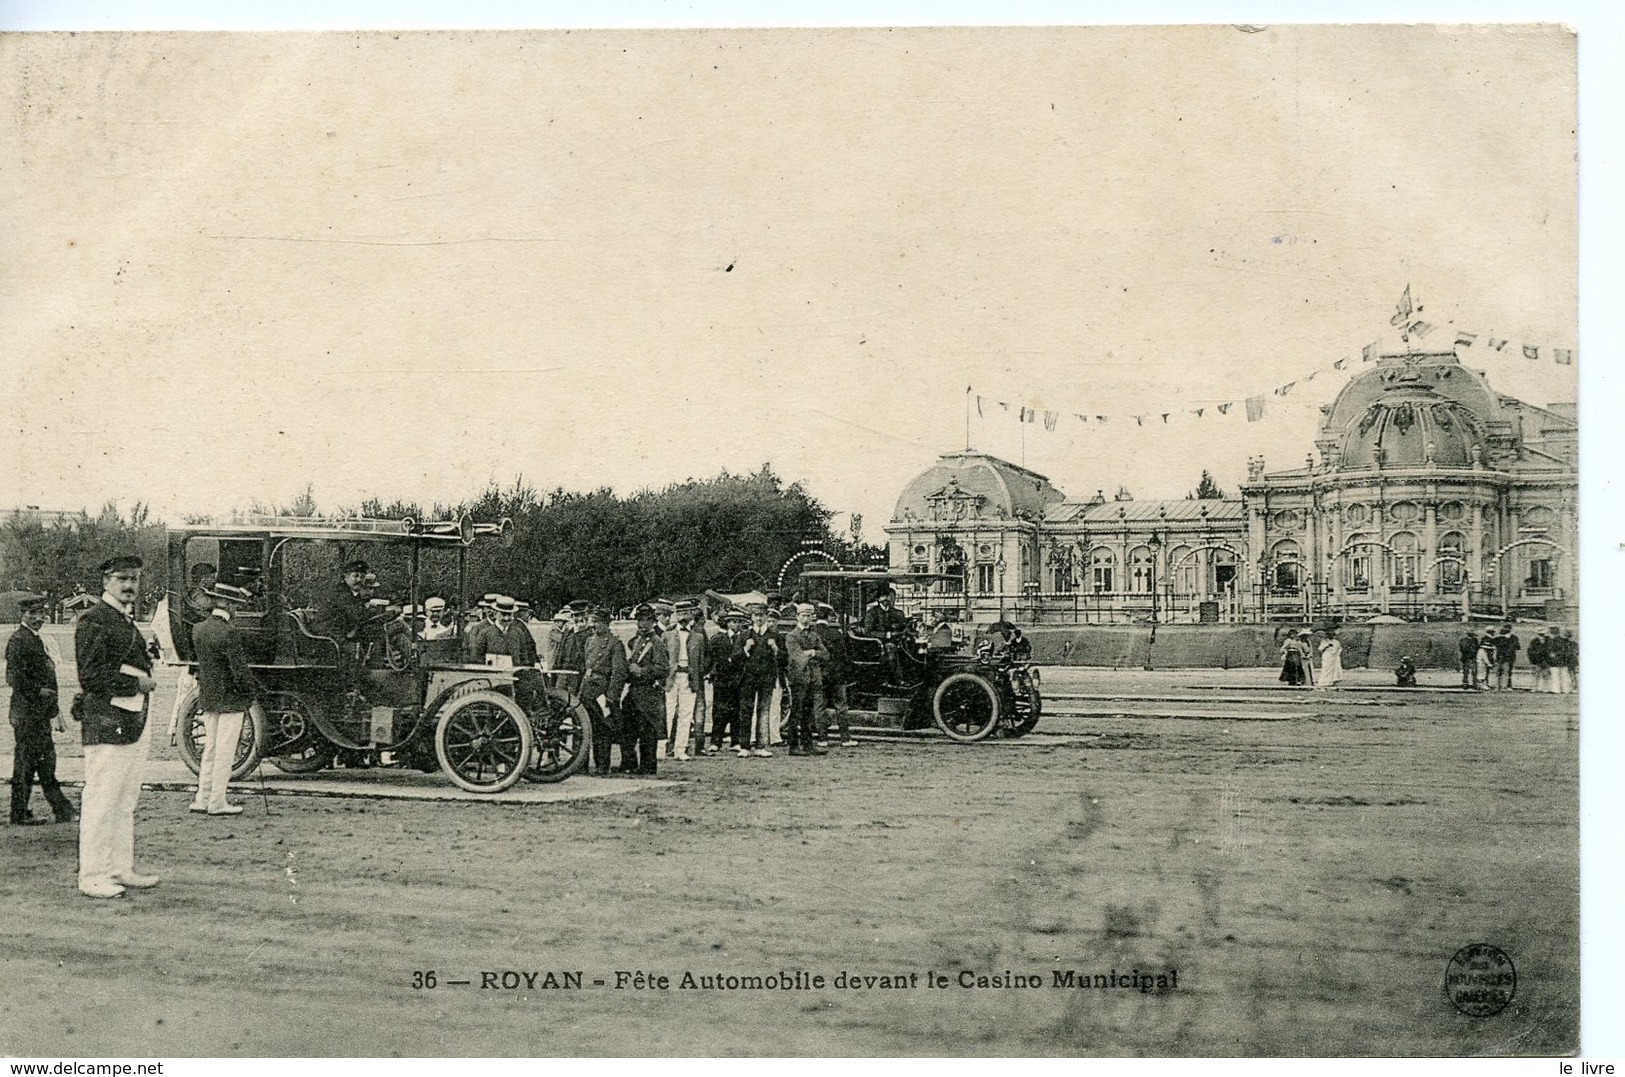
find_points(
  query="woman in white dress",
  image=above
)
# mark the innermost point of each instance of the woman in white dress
(1331, 663)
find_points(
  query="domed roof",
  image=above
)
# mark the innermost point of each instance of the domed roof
(1410, 425)
(1438, 372)
(973, 485)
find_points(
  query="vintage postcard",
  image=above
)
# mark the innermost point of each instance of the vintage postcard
(880, 542)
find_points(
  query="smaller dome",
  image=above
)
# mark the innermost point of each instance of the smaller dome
(1412, 426)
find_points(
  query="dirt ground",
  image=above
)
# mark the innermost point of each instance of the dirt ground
(1307, 865)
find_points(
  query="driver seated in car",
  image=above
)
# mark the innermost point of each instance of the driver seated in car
(883, 620)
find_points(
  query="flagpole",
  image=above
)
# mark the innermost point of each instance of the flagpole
(967, 418)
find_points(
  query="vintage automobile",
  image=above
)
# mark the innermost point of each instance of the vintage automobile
(967, 690)
(389, 698)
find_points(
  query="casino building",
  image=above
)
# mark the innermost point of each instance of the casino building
(1429, 496)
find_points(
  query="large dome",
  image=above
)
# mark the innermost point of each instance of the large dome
(1410, 425)
(973, 485)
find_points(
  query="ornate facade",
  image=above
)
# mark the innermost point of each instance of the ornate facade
(1429, 496)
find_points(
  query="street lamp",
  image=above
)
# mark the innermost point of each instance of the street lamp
(1156, 549)
(1000, 566)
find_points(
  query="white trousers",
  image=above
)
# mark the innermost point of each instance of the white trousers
(775, 715)
(220, 735)
(107, 809)
(685, 713)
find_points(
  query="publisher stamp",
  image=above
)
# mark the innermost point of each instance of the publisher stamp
(1480, 980)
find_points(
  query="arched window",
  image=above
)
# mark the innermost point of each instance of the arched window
(1451, 574)
(1182, 567)
(1357, 563)
(1140, 570)
(1287, 574)
(1407, 560)
(1103, 570)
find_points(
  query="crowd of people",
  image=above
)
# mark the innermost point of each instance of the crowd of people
(1488, 659)
(677, 691)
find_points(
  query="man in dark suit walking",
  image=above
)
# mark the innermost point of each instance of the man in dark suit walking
(226, 691)
(115, 673)
(34, 712)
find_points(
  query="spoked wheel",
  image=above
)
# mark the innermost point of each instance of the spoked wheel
(483, 741)
(1023, 719)
(192, 739)
(562, 731)
(292, 734)
(966, 706)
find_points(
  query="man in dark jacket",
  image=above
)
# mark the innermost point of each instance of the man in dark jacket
(644, 718)
(761, 658)
(726, 663)
(1467, 651)
(115, 675)
(34, 712)
(1507, 647)
(602, 683)
(836, 675)
(226, 691)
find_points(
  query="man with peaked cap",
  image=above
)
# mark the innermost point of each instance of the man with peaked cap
(644, 716)
(227, 689)
(726, 659)
(35, 711)
(344, 609)
(601, 688)
(685, 687)
(115, 675)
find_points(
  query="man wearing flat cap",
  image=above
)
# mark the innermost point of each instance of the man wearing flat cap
(435, 625)
(226, 690)
(115, 675)
(34, 712)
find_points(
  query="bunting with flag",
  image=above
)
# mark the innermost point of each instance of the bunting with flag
(1254, 405)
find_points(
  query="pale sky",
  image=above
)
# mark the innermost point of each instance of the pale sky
(406, 265)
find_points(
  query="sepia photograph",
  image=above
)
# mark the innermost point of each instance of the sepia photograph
(809, 542)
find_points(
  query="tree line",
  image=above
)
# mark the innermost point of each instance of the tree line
(731, 532)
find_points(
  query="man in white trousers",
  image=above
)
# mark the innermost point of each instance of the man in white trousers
(226, 691)
(115, 676)
(685, 684)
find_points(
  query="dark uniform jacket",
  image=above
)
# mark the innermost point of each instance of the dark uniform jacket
(880, 621)
(763, 657)
(1467, 648)
(342, 614)
(225, 683)
(105, 640)
(32, 676)
(1507, 648)
(647, 666)
(727, 660)
(605, 667)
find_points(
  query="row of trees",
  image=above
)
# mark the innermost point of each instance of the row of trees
(597, 545)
